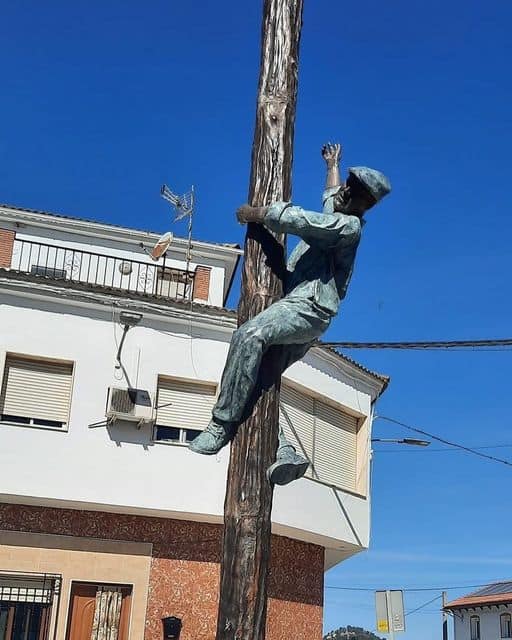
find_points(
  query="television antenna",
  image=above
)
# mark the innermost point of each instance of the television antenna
(184, 206)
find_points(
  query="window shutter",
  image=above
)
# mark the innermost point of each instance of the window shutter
(328, 436)
(183, 404)
(36, 389)
(335, 452)
(299, 408)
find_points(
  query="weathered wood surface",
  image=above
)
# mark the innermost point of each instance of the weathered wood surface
(248, 504)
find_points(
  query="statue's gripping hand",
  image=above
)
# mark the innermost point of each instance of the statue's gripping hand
(246, 214)
(331, 153)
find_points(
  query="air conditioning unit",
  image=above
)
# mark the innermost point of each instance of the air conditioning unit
(132, 405)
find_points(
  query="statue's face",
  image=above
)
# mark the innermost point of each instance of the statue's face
(353, 200)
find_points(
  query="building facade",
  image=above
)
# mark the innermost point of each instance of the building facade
(109, 366)
(485, 614)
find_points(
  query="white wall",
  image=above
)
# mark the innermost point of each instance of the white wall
(489, 622)
(119, 468)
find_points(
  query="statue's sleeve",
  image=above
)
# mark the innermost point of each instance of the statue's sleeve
(323, 229)
(328, 199)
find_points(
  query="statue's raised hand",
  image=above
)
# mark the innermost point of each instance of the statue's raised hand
(331, 153)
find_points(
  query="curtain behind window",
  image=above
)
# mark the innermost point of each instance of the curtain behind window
(107, 614)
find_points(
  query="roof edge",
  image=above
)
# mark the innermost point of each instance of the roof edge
(381, 378)
(481, 601)
(130, 234)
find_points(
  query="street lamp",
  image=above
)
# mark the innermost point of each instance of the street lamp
(128, 319)
(410, 441)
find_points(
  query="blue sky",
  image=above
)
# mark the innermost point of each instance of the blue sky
(102, 102)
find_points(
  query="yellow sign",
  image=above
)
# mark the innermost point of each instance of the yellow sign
(382, 625)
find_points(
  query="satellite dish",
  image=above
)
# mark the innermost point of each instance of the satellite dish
(161, 246)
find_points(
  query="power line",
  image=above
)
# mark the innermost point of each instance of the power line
(429, 450)
(410, 589)
(433, 344)
(422, 606)
(448, 442)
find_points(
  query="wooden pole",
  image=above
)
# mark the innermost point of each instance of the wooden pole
(445, 615)
(248, 503)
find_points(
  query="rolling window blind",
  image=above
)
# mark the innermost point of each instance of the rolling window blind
(36, 389)
(298, 410)
(184, 405)
(328, 436)
(335, 453)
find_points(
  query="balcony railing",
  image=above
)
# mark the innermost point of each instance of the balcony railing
(74, 265)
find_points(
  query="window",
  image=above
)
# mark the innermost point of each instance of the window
(36, 392)
(23, 621)
(25, 605)
(49, 272)
(173, 283)
(506, 625)
(328, 436)
(184, 409)
(474, 627)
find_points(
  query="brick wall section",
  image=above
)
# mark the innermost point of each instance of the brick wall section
(185, 570)
(6, 246)
(201, 289)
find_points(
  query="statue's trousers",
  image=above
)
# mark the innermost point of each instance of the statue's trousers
(294, 323)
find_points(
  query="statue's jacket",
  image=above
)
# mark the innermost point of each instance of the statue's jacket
(320, 267)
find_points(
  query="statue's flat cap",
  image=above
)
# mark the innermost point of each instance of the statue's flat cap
(375, 182)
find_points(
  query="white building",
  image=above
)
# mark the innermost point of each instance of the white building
(124, 514)
(485, 614)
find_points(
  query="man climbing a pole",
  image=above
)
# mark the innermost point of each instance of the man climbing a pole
(317, 277)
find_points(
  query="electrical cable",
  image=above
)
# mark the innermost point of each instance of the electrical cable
(443, 449)
(439, 344)
(422, 606)
(414, 589)
(117, 368)
(508, 463)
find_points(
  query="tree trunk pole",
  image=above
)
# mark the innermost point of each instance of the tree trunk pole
(248, 503)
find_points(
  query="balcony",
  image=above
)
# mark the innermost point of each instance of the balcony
(99, 270)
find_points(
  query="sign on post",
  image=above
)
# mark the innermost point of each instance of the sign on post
(389, 607)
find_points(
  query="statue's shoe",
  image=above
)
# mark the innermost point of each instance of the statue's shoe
(211, 440)
(288, 467)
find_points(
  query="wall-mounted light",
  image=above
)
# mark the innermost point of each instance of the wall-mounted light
(125, 268)
(128, 319)
(172, 627)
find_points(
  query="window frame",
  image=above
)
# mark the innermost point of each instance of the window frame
(28, 595)
(181, 441)
(361, 484)
(506, 615)
(474, 636)
(4, 355)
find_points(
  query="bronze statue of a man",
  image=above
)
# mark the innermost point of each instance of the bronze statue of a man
(317, 276)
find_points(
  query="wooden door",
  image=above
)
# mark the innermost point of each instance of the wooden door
(81, 611)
